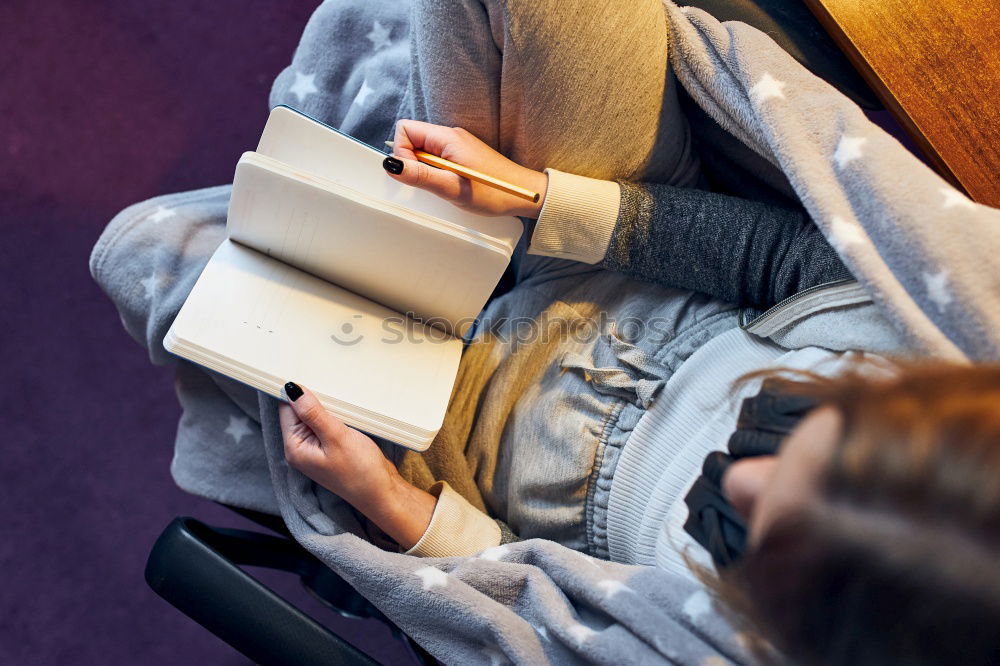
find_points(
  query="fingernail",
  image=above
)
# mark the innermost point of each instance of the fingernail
(392, 165)
(293, 391)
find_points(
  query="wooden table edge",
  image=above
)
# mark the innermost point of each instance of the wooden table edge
(867, 72)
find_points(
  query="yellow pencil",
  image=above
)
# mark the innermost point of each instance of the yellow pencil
(472, 174)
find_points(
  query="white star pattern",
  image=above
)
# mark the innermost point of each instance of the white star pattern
(848, 150)
(581, 633)
(431, 577)
(612, 587)
(161, 213)
(238, 428)
(954, 198)
(844, 234)
(495, 554)
(363, 93)
(937, 289)
(305, 84)
(697, 605)
(768, 88)
(150, 284)
(379, 36)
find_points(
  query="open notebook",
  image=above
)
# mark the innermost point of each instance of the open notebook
(337, 277)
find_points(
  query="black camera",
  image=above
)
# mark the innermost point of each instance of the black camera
(764, 422)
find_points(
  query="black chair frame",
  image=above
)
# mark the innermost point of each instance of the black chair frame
(198, 569)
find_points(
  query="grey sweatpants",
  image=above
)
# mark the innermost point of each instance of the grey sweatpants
(583, 87)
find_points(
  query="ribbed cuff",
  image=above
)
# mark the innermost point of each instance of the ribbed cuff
(457, 529)
(577, 218)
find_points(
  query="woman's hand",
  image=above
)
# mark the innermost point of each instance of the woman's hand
(349, 464)
(457, 145)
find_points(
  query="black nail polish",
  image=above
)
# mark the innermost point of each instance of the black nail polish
(293, 391)
(392, 165)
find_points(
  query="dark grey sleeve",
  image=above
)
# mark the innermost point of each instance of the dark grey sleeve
(506, 534)
(738, 250)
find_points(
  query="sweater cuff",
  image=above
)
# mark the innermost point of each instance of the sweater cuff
(577, 218)
(457, 529)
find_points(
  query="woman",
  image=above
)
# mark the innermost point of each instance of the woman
(591, 452)
(535, 82)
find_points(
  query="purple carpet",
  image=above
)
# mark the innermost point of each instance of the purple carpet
(102, 105)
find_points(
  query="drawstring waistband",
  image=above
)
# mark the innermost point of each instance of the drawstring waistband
(638, 381)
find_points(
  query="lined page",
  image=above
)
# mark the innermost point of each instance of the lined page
(258, 313)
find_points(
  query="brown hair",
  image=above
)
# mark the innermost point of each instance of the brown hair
(899, 560)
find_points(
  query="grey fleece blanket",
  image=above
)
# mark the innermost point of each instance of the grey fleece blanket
(923, 251)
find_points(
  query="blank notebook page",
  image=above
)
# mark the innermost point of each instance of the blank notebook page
(303, 143)
(283, 324)
(405, 265)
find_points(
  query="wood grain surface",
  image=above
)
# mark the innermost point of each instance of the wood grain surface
(936, 66)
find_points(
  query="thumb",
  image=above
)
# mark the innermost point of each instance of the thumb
(311, 412)
(444, 184)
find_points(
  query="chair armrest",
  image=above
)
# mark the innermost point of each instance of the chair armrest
(194, 567)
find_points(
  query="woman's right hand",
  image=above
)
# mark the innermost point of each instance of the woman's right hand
(459, 146)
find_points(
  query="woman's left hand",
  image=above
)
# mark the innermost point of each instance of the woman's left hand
(349, 464)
